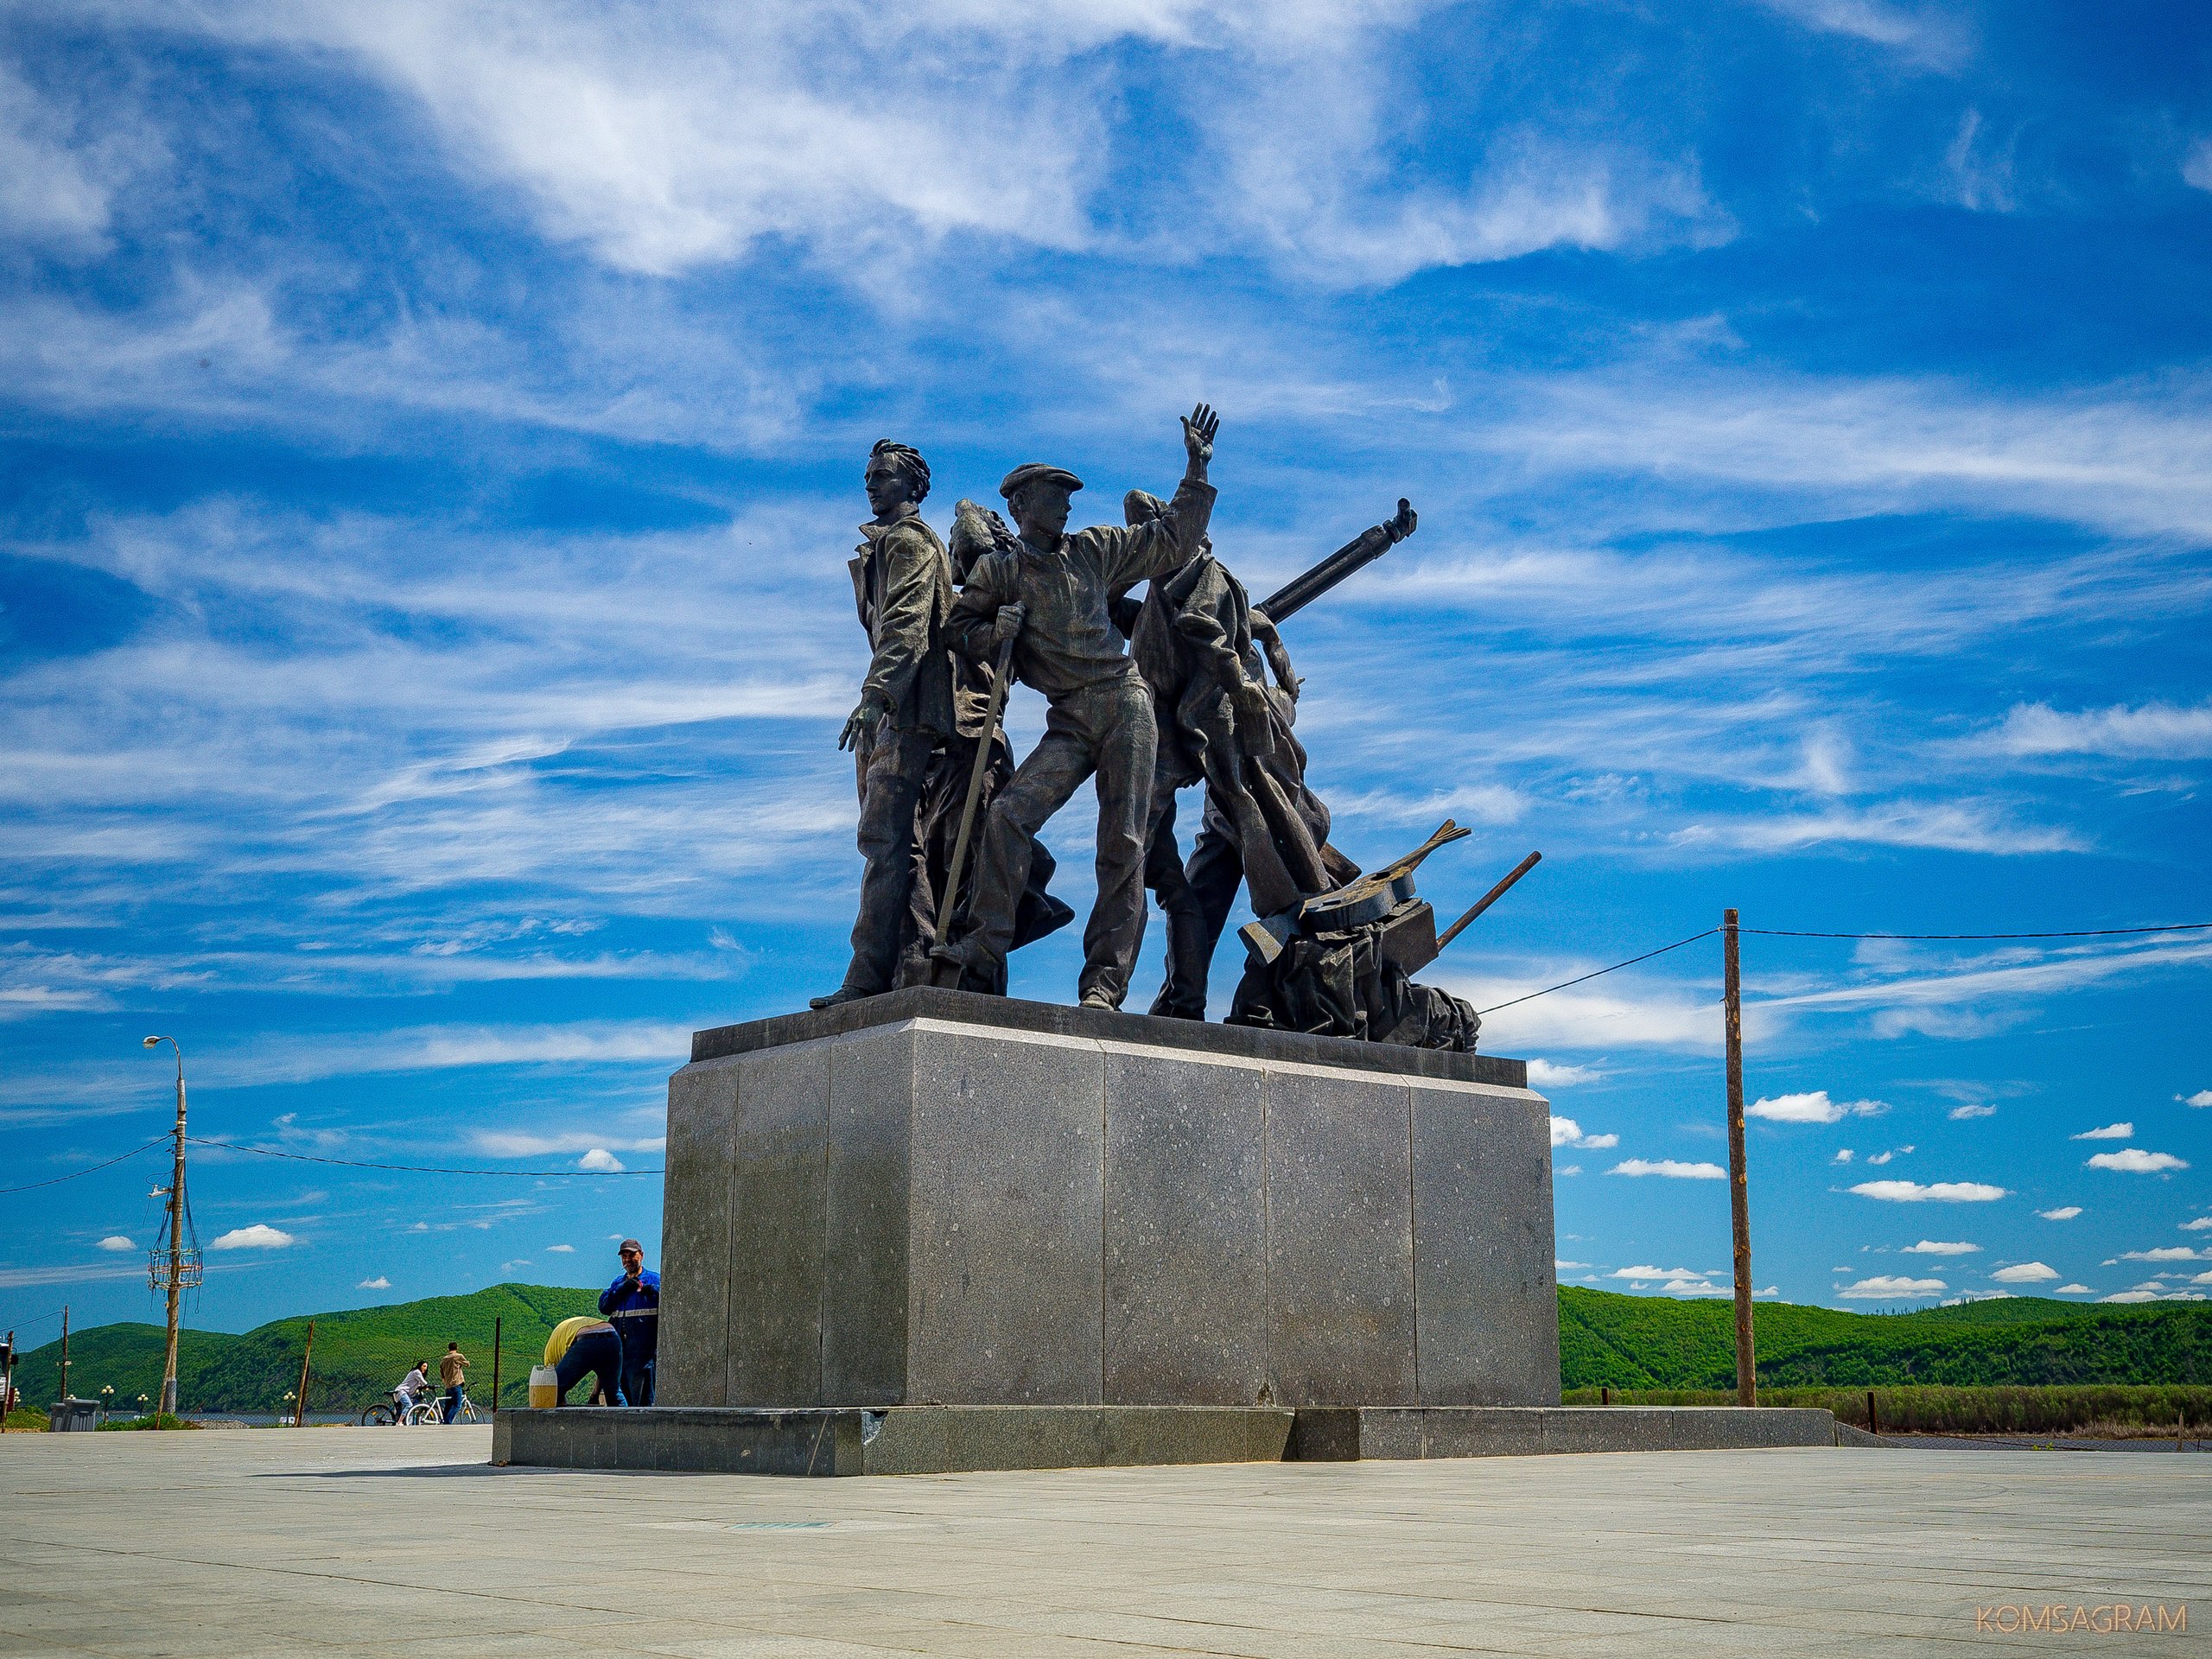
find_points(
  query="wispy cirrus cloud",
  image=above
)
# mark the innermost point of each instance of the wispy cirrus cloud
(2154, 731)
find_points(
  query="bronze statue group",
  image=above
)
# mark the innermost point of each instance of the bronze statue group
(1145, 696)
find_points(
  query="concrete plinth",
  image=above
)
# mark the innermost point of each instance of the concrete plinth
(935, 1198)
(1334, 1434)
(944, 1439)
(900, 1440)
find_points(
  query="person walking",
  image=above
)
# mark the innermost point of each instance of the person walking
(451, 1365)
(632, 1303)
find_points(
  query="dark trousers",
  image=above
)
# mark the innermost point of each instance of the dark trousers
(636, 1380)
(452, 1402)
(599, 1354)
(1105, 731)
(892, 779)
(1196, 900)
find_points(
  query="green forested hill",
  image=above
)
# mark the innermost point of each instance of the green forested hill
(1643, 1341)
(1626, 1341)
(358, 1355)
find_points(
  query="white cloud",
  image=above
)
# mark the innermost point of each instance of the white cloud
(1887, 1287)
(2157, 731)
(377, 1283)
(1566, 1132)
(1669, 1166)
(2201, 1279)
(1935, 1192)
(2202, 1097)
(1971, 1109)
(2075, 1290)
(1814, 1108)
(2147, 1295)
(55, 179)
(1884, 1156)
(1564, 1267)
(599, 1158)
(117, 1243)
(516, 1143)
(2198, 1225)
(2196, 167)
(1545, 1074)
(259, 1236)
(2110, 1131)
(2134, 1161)
(2025, 1273)
(1842, 1156)
(2064, 1212)
(2168, 1253)
(560, 1249)
(1937, 1247)
(1657, 1273)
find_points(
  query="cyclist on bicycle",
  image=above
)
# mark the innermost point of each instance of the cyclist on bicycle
(417, 1383)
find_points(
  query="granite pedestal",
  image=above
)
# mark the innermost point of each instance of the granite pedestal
(934, 1199)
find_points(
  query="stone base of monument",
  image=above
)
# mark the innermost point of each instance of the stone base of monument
(897, 1440)
(932, 1229)
(945, 1439)
(1347, 1433)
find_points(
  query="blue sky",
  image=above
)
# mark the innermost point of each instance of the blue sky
(432, 444)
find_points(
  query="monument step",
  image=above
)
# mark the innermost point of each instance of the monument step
(949, 1440)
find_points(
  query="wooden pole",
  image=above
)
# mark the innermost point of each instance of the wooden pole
(300, 1405)
(1739, 1190)
(497, 1321)
(175, 1286)
(65, 1351)
(1873, 1417)
(1488, 900)
(8, 1382)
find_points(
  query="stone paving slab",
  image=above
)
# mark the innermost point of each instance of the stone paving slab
(385, 1542)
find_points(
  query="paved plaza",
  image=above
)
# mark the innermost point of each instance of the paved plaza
(243, 1543)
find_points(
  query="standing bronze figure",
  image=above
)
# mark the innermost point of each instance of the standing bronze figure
(1050, 594)
(902, 582)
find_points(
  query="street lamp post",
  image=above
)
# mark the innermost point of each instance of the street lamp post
(170, 1268)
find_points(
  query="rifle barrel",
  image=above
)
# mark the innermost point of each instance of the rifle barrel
(1488, 900)
(1300, 591)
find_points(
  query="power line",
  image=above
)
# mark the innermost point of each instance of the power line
(1794, 933)
(1601, 972)
(104, 1164)
(408, 1169)
(2071, 933)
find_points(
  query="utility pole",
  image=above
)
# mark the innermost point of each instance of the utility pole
(8, 1380)
(169, 1269)
(300, 1410)
(65, 1351)
(498, 1322)
(1739, 1190)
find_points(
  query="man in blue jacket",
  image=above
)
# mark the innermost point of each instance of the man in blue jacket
(632, 1304)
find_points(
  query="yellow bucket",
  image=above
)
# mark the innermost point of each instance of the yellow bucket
(544, 1387)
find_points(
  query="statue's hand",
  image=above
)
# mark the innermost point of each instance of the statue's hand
(862, 723)
(1403, 524)
(1010, 619)
(1198, 427)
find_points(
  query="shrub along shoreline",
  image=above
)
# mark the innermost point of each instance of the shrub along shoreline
(2155, 1411)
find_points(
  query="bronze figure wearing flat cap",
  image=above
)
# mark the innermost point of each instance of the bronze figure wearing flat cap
(1050, 593)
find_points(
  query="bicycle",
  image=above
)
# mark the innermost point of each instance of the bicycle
(430, 1410)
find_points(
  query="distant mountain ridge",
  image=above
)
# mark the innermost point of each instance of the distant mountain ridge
(1605, 1339)
(360, 1354)
(1644, 1342)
